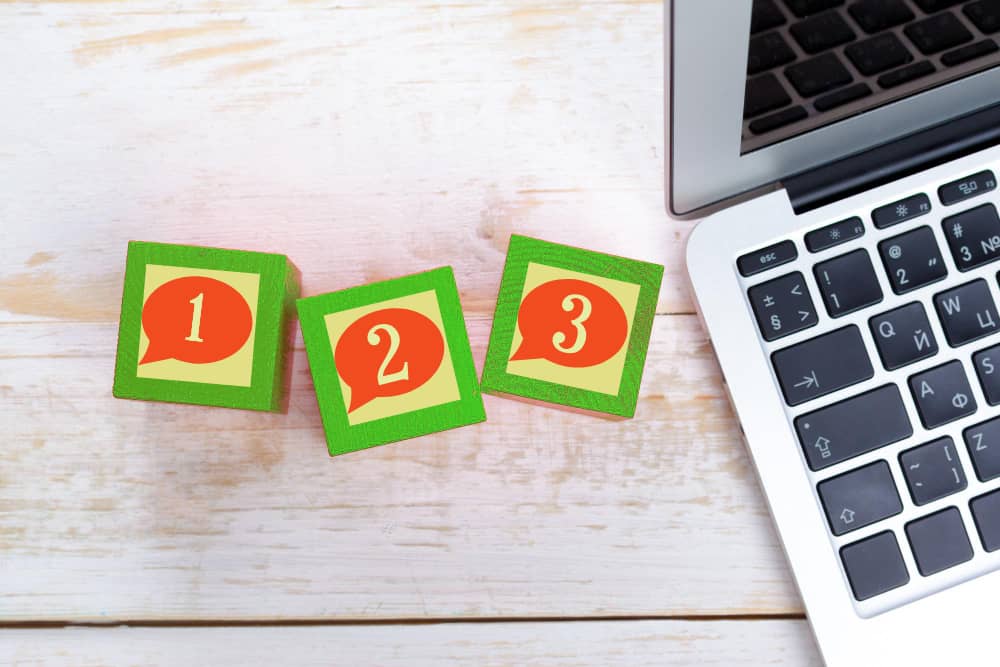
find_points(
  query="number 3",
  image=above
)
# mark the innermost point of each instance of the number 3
(559, 338)
(384, 378)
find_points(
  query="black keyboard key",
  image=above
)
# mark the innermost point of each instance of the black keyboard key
(967, 312)
(835, 234)
(912, 207)
(767, 51)
(985, 14)
(765, 15)
(986, 363)
(939, 541)
(848, 283)
(874, 565)
(778, 119)
(877, 15)
(853, 426)
(973, 236)
(859, 498)
(983, 443)
(986, 512)
(782, 306)
(932, 471)
(906, 74)
(818, 75)
(903, 336)
(965, 188)
(931, 6)
(822, 32)
(878, 54)
(942, 394)
(764, 93)
(966, 53)
(806, 7)
(938, 33)
(822, 365)
(766, 258)
(912, 260)
(839, 98)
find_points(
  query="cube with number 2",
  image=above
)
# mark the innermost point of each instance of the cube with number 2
(571, 327)
(204, 325)
(390, 361)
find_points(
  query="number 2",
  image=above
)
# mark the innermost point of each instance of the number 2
(901, 274)
(194, 336)
(559, 338)
(374, 338)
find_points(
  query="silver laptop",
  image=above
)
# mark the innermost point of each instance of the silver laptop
(851, 295)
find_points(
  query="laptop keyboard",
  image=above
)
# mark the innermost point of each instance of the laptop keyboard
(890, 375)
(810, 57)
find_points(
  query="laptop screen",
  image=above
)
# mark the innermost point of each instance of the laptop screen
(815, 62)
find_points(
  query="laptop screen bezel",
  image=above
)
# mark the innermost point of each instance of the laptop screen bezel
(706, 49)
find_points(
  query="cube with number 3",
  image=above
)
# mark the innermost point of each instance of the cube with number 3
(390, 361)
(571, 327)
(204, 325)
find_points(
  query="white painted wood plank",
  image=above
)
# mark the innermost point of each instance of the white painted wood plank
(364, 139)
(123, 510)
(631, 644)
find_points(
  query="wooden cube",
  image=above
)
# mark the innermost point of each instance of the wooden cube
(390, 361)
(204, 325)
(571, 327)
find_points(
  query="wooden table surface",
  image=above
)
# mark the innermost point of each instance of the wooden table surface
(365, 139)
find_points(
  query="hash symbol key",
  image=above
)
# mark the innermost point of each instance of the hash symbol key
(973, 236)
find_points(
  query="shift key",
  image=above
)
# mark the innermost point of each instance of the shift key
(853, 426)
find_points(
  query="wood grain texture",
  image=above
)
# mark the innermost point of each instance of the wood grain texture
(629, 644)
(366, 140)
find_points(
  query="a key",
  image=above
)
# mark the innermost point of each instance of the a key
(898, 77)
(932, 471)
(967, 312)
(822, 32)
(942, 394)
(937, 33)
(765, 15)
(806, 7)
(842, 96)
(903, 336)
(986, 513)
(878, 54)
(766, 258)
(970, 186)
(939, 541)
(985, 14)
(969, 52)
(912, 260)
(931, 6)
(777, 119)
(767, 51)
(848, 283)
(903, 210)
(973, 236)
(764, 93)
(986, 363)
(853, 426)
(878, 15)
(782, 306)
(859, 498)
(818, 75)
(874, 565)
(822, 365)
(983, 443)
(835, 234)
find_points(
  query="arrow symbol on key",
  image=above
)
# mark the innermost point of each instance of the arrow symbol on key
(797, 290)
(804, 315)
(808, 381)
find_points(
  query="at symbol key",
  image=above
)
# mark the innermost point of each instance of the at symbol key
(822, 365)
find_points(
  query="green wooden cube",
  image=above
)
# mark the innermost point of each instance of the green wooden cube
(571, 327)
(390, 361)
(204, 325)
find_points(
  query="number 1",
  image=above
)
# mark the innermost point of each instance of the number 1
(196, 319)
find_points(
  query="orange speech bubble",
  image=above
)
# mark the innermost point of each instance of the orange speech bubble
(570, 323)
(195, 319)
(388, 353)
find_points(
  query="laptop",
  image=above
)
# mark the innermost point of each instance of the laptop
(847, 153)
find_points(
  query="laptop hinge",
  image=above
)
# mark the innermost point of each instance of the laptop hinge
(896, 159)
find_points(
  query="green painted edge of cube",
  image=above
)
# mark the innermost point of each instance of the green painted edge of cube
(522, 250)
(278, 289)
(342, 437)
